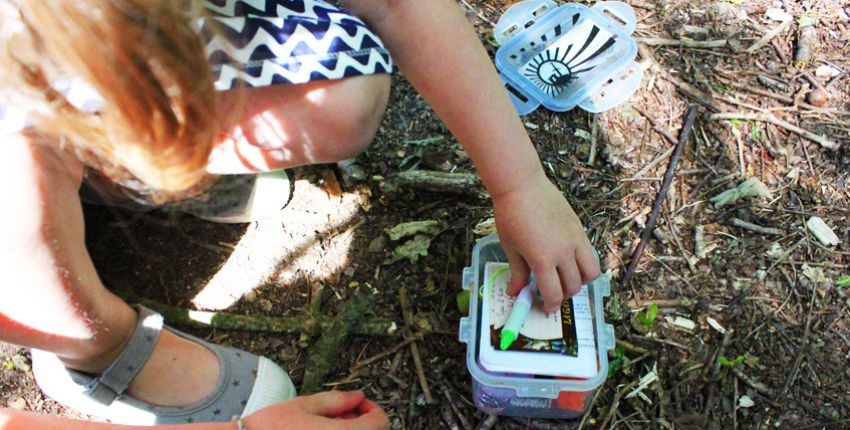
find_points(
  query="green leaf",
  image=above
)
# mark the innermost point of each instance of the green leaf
(725, 361)
(617, 362)
(648, 317)
(736, 122)
(652, 312)
(843, 281)
(463, 302)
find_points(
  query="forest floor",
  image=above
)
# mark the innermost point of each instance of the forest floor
(752, 327)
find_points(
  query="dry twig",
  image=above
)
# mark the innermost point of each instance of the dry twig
(684, 42)
(826, 143)
(386, 353)
(414, 348)
(769, 231)
(776, 31)
(690, 116)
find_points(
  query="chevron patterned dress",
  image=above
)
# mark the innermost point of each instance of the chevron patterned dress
(258, 43)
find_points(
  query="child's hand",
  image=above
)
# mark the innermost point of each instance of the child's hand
(540, 232)
(332, 410)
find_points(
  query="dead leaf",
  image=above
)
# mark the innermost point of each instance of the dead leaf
(486, 227)
(412, 249)
(429, 227)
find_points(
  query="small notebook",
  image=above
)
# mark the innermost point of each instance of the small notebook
(556, 344)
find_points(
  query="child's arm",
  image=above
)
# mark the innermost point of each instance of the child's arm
(438, 51)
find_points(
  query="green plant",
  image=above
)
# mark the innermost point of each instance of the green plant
(843, 281)
(725, 361)
(756, 133)
(616, 363)
(647, 318)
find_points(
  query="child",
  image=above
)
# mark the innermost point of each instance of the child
(150, 96)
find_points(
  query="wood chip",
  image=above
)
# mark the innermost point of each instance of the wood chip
(822, 231)
(682, 323)
(715, 325)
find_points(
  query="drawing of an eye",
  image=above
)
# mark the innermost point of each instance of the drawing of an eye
(549, 72)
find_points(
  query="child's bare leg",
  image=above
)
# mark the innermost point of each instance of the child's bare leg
(52, 297)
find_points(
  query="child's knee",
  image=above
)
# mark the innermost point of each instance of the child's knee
(355, 110)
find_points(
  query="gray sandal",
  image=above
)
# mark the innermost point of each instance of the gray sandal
(247, 383)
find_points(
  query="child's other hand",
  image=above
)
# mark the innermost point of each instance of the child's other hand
(332, 410)
(540, 232)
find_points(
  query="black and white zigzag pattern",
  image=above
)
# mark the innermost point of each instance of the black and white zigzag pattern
(265, 42)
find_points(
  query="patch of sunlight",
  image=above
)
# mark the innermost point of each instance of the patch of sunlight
(309, 239)
(201, 317)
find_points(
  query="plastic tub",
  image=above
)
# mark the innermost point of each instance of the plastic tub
(569, 55)
(526, 395)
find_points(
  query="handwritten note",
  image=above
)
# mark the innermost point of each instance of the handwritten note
(538, 325)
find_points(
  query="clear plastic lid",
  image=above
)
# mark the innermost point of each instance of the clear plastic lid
(488, 250)
(562, 56)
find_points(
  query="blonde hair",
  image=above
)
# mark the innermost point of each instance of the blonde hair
(147, 61)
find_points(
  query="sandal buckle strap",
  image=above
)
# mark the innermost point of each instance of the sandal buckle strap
(112, 383)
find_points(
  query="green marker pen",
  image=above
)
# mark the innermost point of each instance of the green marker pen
(522, 306)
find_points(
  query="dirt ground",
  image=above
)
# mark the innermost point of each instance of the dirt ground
(769, 343)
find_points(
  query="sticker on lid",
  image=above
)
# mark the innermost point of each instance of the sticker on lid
(549, 344)
(578, 52)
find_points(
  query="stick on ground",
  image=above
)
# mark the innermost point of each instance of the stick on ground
(826, 143)
(414, 348)
(690, 116)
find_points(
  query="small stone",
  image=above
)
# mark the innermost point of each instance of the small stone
(352, 171)
(817, 97)
(827, 72)
(18, 404)
(746, 402)
(661, 235)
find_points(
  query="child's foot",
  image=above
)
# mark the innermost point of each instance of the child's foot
(175, 359)
(162, 376)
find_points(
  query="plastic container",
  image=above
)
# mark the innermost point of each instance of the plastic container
(524, 395)
(569, 55)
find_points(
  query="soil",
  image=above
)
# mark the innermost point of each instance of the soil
(770, 343)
